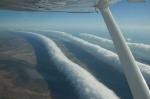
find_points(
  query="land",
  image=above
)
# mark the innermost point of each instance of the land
(19, 78)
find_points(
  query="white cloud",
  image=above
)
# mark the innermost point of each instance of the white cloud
(86, 85)
(140, 50)
(100, 53)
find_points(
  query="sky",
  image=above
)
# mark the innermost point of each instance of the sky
(128, 15)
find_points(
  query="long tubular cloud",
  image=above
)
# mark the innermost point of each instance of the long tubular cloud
(140, 50)
(100, 53)
(86, 85)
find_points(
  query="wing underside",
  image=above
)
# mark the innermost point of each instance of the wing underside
(49, 5)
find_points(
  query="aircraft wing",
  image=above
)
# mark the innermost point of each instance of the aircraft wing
(54, 5)
(49, 5)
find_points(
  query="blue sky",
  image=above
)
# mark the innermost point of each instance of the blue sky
(128, 16)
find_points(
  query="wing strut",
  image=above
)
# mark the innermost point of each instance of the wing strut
(137, 83)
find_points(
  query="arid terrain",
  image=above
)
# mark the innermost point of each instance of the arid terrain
(18, 76)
